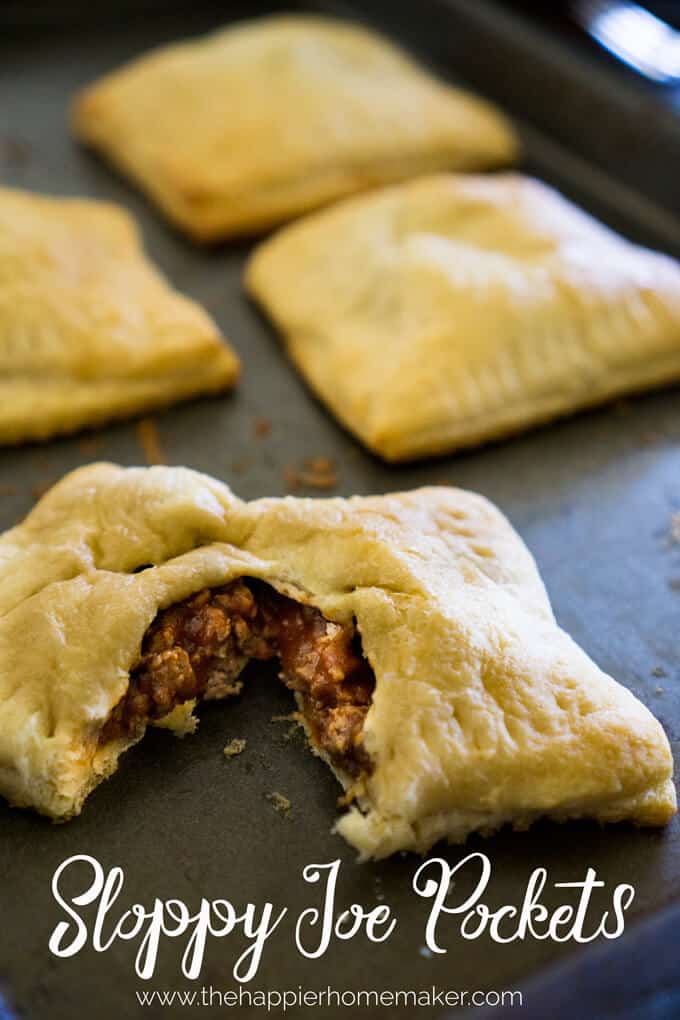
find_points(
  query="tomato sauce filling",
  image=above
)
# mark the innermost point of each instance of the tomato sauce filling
(198, 648)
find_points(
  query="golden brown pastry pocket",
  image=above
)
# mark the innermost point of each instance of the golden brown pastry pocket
(267, 119)
(451, 310)
(89, 330)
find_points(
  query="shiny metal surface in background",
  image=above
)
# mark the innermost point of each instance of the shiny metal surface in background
(634, 35)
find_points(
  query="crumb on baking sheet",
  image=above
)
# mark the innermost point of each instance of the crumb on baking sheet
(279, 802)
(659, 671)
(149, 440)
(262, 428)
(316, 473)
(320, 465)
(234, 747)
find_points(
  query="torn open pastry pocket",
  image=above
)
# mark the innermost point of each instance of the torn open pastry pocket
(413, 630)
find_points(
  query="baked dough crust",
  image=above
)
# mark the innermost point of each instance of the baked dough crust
(457, 309)
(484, 710)
(278, 116)
(89, 330)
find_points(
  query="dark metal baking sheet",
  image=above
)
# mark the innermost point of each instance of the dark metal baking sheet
(592, 496)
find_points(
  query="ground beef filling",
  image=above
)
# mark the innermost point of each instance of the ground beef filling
(198, 648)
